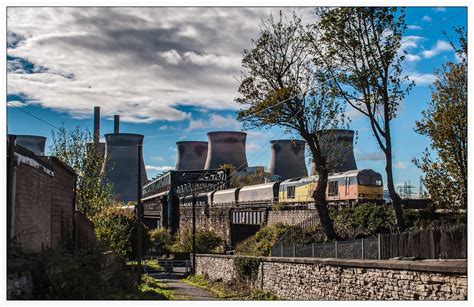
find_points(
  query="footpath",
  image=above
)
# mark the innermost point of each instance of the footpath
(183, 292)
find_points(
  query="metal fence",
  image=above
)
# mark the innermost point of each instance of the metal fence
(446, 242)
(367, 248)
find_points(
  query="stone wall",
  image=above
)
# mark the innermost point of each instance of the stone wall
(288, 217)
(217, 220)
(348, 279)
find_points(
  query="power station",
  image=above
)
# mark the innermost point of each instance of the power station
(287, 160)
(33, 143)
(226, 147)
(191, 155)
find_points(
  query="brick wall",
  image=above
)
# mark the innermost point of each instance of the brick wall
(62, 202)
(348, 279)
(288, 217)
(32, 226)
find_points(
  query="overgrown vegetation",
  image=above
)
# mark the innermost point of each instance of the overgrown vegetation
(246, 268)
(116, 228)
(243, 179)
(261, 243)
(230, 291)
(206, 242)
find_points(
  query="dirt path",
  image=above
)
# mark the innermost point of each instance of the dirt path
(183, 291)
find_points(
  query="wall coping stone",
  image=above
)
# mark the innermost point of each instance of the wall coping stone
(458, 266)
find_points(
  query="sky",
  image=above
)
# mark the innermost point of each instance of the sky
(172, 75)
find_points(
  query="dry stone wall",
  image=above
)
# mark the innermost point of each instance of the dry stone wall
(348, 279)
(289, 217)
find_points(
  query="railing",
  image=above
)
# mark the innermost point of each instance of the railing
(366, 248)
(434, 243)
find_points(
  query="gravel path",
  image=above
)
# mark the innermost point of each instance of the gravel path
(183, 291)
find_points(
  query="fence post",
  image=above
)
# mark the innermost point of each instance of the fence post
(379, 240)
(281, 250)
(294, 249)
(362, 245)
(313, 251)
(335, 248)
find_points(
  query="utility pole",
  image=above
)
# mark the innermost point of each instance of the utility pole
(194, 234)
(139, 215)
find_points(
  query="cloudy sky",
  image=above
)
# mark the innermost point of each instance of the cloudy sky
(171, 75)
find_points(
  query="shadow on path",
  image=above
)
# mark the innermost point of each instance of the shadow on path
(182, 291)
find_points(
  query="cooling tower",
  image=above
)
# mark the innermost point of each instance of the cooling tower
(121, 164)
(288, 159)
(33, 143)
(191, 155)
(226, 147)
(337, 146)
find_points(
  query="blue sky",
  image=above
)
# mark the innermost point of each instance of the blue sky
(170, 75)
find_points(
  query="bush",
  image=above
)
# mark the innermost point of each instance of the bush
(261, 243)
(206, 242)
(116, 228)
(246, 268)
(363, 221)
(162, 240)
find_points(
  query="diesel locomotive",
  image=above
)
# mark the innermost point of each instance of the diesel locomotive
(343, 189)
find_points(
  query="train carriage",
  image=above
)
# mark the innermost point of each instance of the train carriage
(259, 194)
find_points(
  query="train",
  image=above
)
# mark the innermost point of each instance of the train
(343, 189)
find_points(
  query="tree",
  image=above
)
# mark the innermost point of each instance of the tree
(76, 150)
(445, 124)
(282, 87)
(360, 46)
(244, 179)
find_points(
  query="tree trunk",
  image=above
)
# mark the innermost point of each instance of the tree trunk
(396, 200)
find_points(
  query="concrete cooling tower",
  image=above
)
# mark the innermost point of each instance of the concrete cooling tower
(337, 146)
(33, 143)
(226, 147)
(121, 164)
(191, 155)
(287, 159)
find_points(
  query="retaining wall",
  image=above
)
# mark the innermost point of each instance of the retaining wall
(348, 279)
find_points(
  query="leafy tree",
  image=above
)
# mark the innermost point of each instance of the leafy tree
(76, 150)
(243, 179)
(360, 46)
(282, 87)
(445, 124)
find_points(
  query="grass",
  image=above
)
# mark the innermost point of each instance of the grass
(149, 289)
(150, 264)
(235, 291)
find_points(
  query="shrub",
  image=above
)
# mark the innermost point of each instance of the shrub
(261, 243)
(206, 242)
(246, 268)
(162, 240)
(363, 221)
(116, 228)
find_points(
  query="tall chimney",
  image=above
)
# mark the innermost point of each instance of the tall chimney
(96, 125)
(338, 149)
(226, 147)
(288, 159)
(116, 123)
(191, 155)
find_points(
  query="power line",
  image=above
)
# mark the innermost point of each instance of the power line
(32, 115)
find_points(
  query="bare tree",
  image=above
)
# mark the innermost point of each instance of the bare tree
(282, 87)
(360, 47)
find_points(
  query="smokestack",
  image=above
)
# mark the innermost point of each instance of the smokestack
(288, 159)
(191, 155)
(96, 125)
(120, 165)
(337, 146)
(33, 143)
(226, 147)
(116, 123)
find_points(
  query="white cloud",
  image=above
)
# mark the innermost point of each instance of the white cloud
(410, 41)
(158, 158)
(426, 18)
(141, 63)
(439, 47)
(421, 79)
(414, 27)
(215, 121)
(369, 156)
(164, 128)
(15, 103)
(439, 9)
(400, 165)
(412, 57)
(159, 168)
(253, 147)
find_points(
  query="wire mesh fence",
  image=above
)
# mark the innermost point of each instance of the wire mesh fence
(367, 248)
